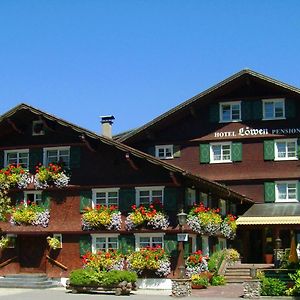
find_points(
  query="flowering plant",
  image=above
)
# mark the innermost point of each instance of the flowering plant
(151, 216)
(4, 242)
(204, 220)
(104, 261)
(198, 279)
(53, 242)
(196, 263)
(102, 216)
(54, 173)
(30, 214)
(228, 227)
(150, 258)
(13, 175)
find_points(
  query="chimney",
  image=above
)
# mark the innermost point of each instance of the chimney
(107, 122)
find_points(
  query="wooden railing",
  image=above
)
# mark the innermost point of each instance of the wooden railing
(8, 261)
(57, 263)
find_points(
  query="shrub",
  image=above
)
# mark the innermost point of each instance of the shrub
(215, 260)
(295, 290)
(198, 279)
(196, 263)
(218, 280)
(272, 287)
(85, 277)
(114, 277)
(232, 255)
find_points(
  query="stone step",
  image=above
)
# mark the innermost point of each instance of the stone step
(26, 275)
(237, 273)
(238, 280)
(23, 285)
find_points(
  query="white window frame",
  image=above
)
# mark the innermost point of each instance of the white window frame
(285, 141)
(106, 191)
(64, 148)
(212, 160)
(149, 235)
(26, 193)
(18, 151)
(150, 189)
(59, 237)
(277, 192)
(274, 101)
(106, 236)
(221, 104)
(164, 147)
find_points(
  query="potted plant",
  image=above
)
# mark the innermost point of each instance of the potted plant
(269, 253)
(150, 216)
(196, 263)
(108, 217)
(54, 243)
(199, 281)
(13, 175)
(228, 227)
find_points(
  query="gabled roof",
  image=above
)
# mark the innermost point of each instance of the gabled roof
(186, 104)
(131, 151)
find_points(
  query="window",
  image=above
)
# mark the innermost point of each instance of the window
(220, 152)
(57, 155)
(230, 111)
(286, 191)
(205, 245)
(222, 205)
(33, 197)
(286, 149)
(190, 196)
(105, 197)
(204, 199)
(164, 151)
(104, 242)
(149, 240)
(273, 109)
(17, 157)
(146, 195)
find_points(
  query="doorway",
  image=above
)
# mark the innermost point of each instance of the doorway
(32, 253)
(255, 246)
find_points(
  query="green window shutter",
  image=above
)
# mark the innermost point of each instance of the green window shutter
(35, 157)
(45, 200)
(1, 159)
(257, 110)
(17, 198)
(204, 151)
(237, 152)
(85, 244)
(269, 152)
(151, 150)
(246, 110)
(171, 198)
(214, 113)
(170, 244)
(290, 109)
(126, 199)
(85, 200)
(269, 192)
(176, 151)
(126, 243)
(75, 153)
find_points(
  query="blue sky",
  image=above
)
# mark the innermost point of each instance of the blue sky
(135, 59)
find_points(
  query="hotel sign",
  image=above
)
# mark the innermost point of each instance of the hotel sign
(247, 131)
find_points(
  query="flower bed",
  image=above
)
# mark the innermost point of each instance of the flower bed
(228, 227)
(104, 261)
(150, 259)
(151, 216)
(108, 217)
(53, 174)
(196, 263)
(30, 214)
(204, 220)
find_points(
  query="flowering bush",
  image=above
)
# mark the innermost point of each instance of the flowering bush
(4, 242)
(151, 259)
(53, 242)
(151, 216)
(30, 214)
(196, 263)
(199, 280)
(108, 217)
(53, 174)
(228, 227)
(13, 175)
(104, 261)
(204, 220)
(232, 255)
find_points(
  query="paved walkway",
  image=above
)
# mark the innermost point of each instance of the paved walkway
(233, 291)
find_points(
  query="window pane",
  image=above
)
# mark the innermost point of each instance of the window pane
(226, 112)
(281, 149)
(144, 242)
(168, 152)
(226, 152)
(235, 111)
(112, 198)
(291, 148)
(292, 191)
(100, 243)
(112, 243)
(281, 188)
(269, 110)
(156, 241)
(278, 109)
(216, 149)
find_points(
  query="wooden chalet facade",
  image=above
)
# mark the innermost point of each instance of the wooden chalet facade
(244, 133)
(104, 170)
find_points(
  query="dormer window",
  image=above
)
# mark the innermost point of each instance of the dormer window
(164, 151)
(273, 109)
(230, 111)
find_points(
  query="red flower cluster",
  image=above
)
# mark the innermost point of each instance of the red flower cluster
(195, 258)
(230, 218)
(12, 169)
(52, 168)
(150, 211)
(201, 208)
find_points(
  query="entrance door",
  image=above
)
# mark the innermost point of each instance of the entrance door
(32, 250)
(255, 246)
